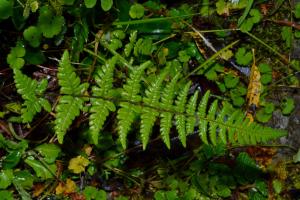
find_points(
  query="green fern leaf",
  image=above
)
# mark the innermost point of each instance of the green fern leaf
(66, 111)
(221, 118)
(100, 108)
(127, 112)
(128, 47)
(29, 89)
(230, 122)
(180, 118)
(202, 114)
(70, 103)
(149, 114)
(190, 110)
(212, 123)
(166, 117)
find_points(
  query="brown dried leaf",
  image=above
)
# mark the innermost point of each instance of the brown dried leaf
(254, 88)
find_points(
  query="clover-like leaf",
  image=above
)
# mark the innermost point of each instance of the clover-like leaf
(264, 68)
(49, 151)
(6, 8)
(287, 105)
(49, 24)
(231, 81)
(92, 193)
(33, 35)
(256, 16)
(90, 3)
(136, 11)
(243, 57)
(106, 4)
(264, 114)
(15, 57)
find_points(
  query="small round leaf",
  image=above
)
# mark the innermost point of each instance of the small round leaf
(136, 11)
(90, 3)
(49, 24)
(106, 4)
(33, 35)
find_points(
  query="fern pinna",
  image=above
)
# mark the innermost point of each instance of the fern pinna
(215, 125)
(71, 100)
(30, 89)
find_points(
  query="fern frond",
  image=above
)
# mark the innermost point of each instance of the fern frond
(100, 108)
(166, 117)
(70, 103)
(180, 118)
(149, 115)
(29, 89)
(127, 112)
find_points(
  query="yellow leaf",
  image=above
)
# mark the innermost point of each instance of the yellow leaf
(78, 164)
(88, 149)
(60, 188)
(254, 88)
(66, 188)
(70, 186)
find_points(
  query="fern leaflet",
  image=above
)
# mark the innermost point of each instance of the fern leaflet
(30, 90)
(190, 110)
(128, 110)
(70, 103)
(100, 108)
(201, 114)
(149, 114)
(166, 117)
(180, 118)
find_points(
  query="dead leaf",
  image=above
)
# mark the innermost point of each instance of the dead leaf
(78, 164)
(38, 189)
(254, 89)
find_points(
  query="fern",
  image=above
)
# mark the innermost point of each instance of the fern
(100, 108)
(171, 103)
(71, 102)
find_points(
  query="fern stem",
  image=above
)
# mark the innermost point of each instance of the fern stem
(103, 60)
(121, 58)
(152, 20)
